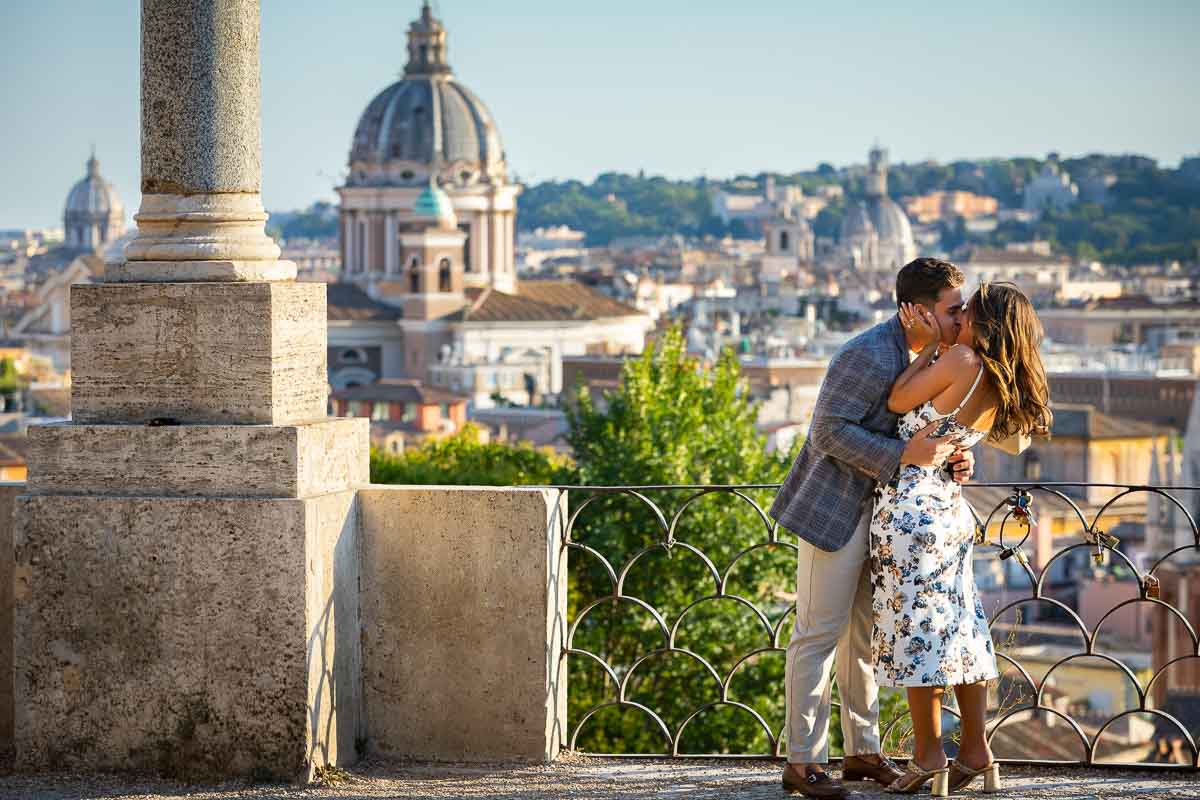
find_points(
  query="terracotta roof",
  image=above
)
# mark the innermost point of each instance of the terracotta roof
(1085, 421)
(348, 302)
(991, 255)
(1139, 302)
(542, 301)
(398, 390)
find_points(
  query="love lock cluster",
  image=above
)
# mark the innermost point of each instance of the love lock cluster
(1020, 507)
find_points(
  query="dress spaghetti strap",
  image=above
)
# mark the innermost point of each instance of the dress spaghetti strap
(970, 392)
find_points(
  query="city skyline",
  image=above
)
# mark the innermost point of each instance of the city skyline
(679, 90)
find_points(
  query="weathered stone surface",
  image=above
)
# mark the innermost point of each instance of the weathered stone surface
(199, 460)
(201, 109)
(8, 493)
(191, 271)
(331, 615)
(201, 237)
(186, 636)
(220, 353)
(463, 609)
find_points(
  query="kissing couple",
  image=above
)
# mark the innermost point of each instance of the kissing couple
(884, 587)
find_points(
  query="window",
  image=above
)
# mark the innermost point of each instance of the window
(379, 411)
(465, 227)
(783, 241)
(410, 412)
(353, 356)
(444, 275)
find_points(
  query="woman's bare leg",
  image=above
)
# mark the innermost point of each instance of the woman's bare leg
(973, 750)
(925, 705)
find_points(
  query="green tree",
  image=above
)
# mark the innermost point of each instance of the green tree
(463, 460)
(674, 421)
(10, 380)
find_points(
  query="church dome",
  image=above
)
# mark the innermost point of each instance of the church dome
(891, 223)
(93, 198)
(426, 123)
(857, 223)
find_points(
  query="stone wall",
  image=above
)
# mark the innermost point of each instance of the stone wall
(432, 623)
(464, 610)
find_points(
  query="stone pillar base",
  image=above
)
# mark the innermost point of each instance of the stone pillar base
(194, 637)
(200, 460)
(205, 353)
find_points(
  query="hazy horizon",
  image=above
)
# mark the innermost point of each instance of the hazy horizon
(679, 90)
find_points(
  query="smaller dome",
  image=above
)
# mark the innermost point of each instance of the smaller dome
(435, 206)
(890, 220)
(856, 223)
(93, 196)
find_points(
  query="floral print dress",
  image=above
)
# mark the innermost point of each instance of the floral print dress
(929, 629)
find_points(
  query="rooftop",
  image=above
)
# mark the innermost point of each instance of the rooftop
(542, 301)
(1087, 422)
(990, 255)
(346, 302)
(398, 390)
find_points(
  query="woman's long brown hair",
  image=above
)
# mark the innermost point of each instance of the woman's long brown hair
(1008, 336)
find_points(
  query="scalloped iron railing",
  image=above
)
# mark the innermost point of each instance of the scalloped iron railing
(655, 670)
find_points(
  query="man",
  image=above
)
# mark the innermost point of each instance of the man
(827, 500)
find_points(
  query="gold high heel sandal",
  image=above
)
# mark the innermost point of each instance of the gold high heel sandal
(961, 777)
(914, 778)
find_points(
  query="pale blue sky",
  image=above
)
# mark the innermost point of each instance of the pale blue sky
(677, 87)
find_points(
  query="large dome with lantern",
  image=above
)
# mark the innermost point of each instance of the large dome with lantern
(426, 121)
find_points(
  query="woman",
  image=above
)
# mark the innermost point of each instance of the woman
(930, 630)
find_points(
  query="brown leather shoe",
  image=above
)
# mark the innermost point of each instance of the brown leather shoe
(816, 784)
(857, 768)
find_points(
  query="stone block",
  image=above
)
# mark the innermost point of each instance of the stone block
(199, 460)
(463, 612)
(191, 637)
(216, 353)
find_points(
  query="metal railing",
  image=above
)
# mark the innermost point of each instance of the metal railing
(629, 614)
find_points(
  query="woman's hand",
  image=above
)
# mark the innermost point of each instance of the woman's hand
(921, 325)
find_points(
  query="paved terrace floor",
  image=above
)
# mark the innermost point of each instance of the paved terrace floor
(581, 777)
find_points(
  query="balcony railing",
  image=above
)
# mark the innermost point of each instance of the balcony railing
(680, 611)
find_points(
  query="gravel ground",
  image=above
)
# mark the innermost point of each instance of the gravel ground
(577, 776)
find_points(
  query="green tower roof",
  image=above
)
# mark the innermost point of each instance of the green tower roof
(434, 204)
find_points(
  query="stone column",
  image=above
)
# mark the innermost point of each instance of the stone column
(347, 242)
(391, 257)
(186, 547)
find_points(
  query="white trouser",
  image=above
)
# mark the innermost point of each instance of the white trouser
(833, 613)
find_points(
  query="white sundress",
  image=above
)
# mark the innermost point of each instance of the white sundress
(929, 628)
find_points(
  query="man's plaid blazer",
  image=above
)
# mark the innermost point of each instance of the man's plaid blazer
(852, 444)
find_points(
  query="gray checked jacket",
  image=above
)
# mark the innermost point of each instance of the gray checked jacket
(851, 446)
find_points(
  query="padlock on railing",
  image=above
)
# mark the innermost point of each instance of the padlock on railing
(1016, 550)
(1151, 587)
(1102, 541)
(1022, 507)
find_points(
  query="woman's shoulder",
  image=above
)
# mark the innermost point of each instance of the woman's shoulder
(961, 355)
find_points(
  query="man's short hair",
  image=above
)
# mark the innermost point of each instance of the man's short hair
(923, 279)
